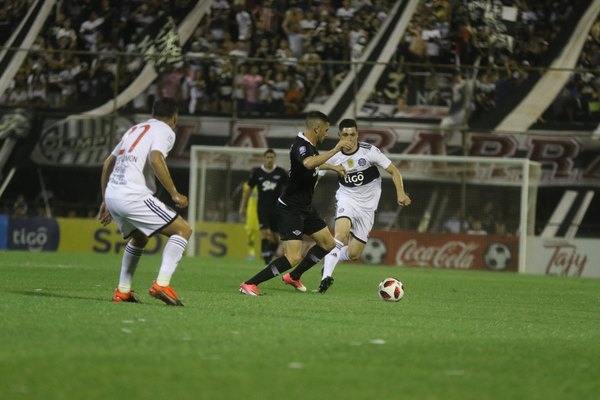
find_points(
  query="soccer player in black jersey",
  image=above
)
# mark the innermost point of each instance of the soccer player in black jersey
(297, 215)
(269, 179)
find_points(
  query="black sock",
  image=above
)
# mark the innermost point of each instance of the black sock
(265, 249)
(314, 255)
(274, 268)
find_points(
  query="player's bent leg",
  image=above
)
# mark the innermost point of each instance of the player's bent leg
(293, 253)
(179, 233)
(178, 227)
(131, 257)
(270, 271)
(324, 242)
(355, 249)
(323, 239)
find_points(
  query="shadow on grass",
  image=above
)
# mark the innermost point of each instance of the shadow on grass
(63, 296)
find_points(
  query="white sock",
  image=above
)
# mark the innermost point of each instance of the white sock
(331, 259)
(171, 255)
(129, 263)
(344, 254)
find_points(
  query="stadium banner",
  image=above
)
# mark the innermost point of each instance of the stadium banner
(32, 234)
(83, 235)
(3, 231)
(566, 160)
(563, 257)
(442, 250)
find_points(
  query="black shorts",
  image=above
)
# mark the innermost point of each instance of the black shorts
(267, 218)
(293, 223)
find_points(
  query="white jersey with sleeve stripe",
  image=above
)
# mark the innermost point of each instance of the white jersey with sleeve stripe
(132, 177)
(362, 184)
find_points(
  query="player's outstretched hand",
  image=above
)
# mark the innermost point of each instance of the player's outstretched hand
(180, 200)
(344, 144)
(339, 169)
(104, 215)
(403, 200)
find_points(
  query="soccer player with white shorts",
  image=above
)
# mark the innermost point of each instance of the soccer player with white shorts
(357, 198)
(128, 186)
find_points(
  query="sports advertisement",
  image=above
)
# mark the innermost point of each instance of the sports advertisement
(440, 250)
(563, 257)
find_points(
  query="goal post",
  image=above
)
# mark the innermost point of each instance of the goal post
(438, 185)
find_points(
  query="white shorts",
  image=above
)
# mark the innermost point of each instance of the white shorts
(148, 215)
(361, 220)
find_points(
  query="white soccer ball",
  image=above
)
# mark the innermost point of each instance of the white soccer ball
(497, 256)
(391, 289)
(374, 251)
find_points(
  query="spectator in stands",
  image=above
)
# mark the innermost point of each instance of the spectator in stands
(102, 83)
(264, 49)
(294, 96)
(244, 22)
(267, 18)
(279, 87)
(90, 30)
(251, 83)
(20, 206)
(196, 86)
(346, 11)
(170, 80)
(225, 84)
(476, 228)
(453, 225)
(83, 83)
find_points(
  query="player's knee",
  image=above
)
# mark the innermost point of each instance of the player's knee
(294, 259)
(342, 238)
(354, 256)
(184, 230)
(328, 244)
(139, 241)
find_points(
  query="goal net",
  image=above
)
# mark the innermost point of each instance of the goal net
(450, 194)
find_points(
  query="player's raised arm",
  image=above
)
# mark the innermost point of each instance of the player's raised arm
(339, 169)
(320, 159)
(402, 197)
(159, 166)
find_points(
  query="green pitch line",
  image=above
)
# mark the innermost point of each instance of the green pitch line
(455, 335)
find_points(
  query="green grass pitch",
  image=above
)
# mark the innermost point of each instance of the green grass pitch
(455, 335)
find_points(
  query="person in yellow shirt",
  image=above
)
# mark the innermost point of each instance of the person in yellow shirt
(251, 227)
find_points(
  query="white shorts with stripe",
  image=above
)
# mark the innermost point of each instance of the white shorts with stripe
(148, 215)
(362, 219)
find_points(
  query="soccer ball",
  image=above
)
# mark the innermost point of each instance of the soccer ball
(374, 251)
(497, 256)
(391, 289)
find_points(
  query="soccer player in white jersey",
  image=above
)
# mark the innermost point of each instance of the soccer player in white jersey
(357, 198)
(128, 186)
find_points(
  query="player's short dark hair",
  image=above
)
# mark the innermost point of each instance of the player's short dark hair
(165, 108)
(347, 123)
(269, 151)
(311, 116)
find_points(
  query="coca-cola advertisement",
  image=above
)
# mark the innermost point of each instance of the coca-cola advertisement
(443, 250)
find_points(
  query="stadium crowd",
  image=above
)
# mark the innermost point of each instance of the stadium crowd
(505, 38)
(579, 100)
(272, 57)
(289, 39)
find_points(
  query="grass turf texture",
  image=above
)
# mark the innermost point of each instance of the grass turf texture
(455, 335)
